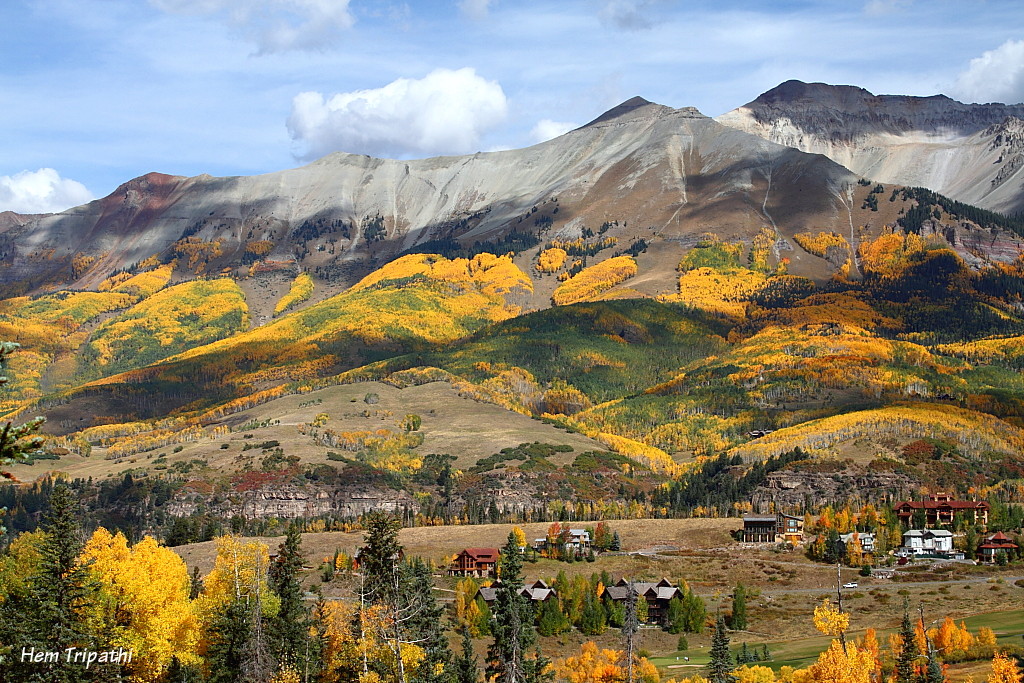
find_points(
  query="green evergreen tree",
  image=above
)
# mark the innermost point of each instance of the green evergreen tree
(765, 655)
(378, 559)
(933, 673)
(512, 625)
(616, 544)
(745, 656)
(17, 443)
(615, 612)
(465, 665)
(49, 613)
(424, 625)
(290, 628)
(695, 612)
(550, 620)
(593, 620)
(675, 619)
(720, 667)
(904, 669)
(739, 608)
(229, 634)
(682, 644)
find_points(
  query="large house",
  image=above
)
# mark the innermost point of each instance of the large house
(866, 540)
(940, 509)
(538, 591)
(777, 528)
(926, 542)
(578, 540)
(475, 562)
(993, 545)
(657, 596)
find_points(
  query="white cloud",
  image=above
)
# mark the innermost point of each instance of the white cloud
(995, 76)
(630, 15)
(42, 191)
(546, 129)
(475, 9)
(445, 112)
(275, 25)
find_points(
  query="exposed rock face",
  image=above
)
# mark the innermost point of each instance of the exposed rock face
(288, 501)
(671, 172)
(788, 489)
(967, 151)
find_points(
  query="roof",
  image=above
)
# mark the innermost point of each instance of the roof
(663, 590)
(999, 536)
(538, 590)
(482, 554)
(939, 504)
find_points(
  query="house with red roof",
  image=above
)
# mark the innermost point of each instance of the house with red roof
(476, 562)
(992, 546)
(940, 509)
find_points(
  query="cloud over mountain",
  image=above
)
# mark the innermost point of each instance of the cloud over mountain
(42, 191)
(445, 112)
(995, 76)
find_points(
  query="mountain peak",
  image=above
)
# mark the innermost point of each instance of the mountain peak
(640, 108)
(628, 107)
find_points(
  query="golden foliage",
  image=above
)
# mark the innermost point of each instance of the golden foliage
(199, 252)
(174, 319)
(829, 620)
(1004, 670)
(259, 247)
(550, 260)
(888, 255)
(839, 665)
(819, 244)
(140, 285)
(754, 674)
(301, 289)
(148, 611)
(593, 280)
(974, 432)
(596, 665)
(715, 291)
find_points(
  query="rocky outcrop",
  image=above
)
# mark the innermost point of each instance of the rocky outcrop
(287, 501)
(957, 149)
(790, 490)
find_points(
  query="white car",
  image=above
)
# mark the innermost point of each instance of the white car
(852, 584)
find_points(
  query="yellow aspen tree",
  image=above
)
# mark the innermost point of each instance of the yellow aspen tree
(148, 608)
(839, 665)
(1004, 670)
(829, 620)
(986, 637)
(754, 674)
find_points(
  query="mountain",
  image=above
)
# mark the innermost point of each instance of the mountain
(970, 152)
(661, 171)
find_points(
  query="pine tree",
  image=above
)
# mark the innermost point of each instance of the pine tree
(720, 667)
(466, 669)
(378, 560)
(17, 443)
(739, 608)
(291, 625)
(934, 674)
(512, 625)
(424, 624)
(904, 669)
(616, 544)
(51, 614)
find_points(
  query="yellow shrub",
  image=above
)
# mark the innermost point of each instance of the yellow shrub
(551, 260)
(818, 244)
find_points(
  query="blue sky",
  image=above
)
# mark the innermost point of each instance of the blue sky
(95, 92)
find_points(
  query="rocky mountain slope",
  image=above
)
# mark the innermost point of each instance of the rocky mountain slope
(971, 152)
(657, 170)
